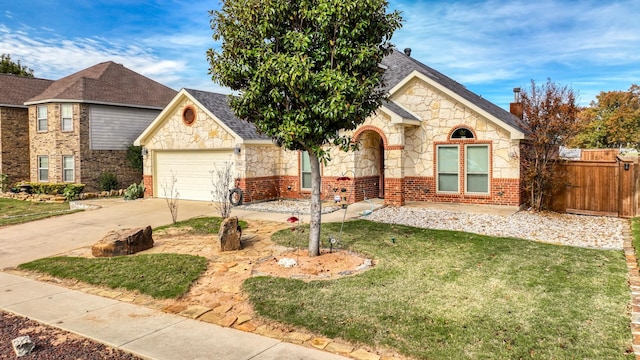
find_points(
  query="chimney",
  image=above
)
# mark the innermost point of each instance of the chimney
(516, 106)
(407, 51)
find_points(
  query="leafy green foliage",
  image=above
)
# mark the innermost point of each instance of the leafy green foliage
(8, 66)
(134, 157)
(134, 191)
(108, 181)
(161, 276)
(72, 190)
(454, 295)
(550, 118)
(305, 71)
(612, 120)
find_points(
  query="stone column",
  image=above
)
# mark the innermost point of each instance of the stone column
(394, 175)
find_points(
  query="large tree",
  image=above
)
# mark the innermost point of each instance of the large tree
(612, 120)
(8, 66)
(550, 116)
(304, 71)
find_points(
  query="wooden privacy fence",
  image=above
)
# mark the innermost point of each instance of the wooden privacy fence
(608, 187)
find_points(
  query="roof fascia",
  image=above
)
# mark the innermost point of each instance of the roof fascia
(90, 102)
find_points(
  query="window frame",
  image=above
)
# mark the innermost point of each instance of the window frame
(487, 173)
(65, 178)
(69, 119)
(39, 120)
(303, 171)
(41, 168)
(439, 172)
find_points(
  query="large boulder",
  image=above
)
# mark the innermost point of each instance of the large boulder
(229, 234)
(123, 242)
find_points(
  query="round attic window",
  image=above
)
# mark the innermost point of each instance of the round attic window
(188, 115)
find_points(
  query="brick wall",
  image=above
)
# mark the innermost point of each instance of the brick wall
(14, 144)
(503, 192)
(260, 188)
(148, 185)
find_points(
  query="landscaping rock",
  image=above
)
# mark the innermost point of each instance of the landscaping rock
(229, 235)
(22, 345)
(123, 242)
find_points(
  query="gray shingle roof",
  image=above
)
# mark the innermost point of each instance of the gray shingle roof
(399, 110)
(399, 66)
(218, 104)
(16, 90)
(108, 83)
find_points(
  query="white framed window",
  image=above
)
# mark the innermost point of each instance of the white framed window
(448, 168)
(66, 111)
(42, 123)
(305, 170)
(43, 168)
(477, 169)
(68, 169)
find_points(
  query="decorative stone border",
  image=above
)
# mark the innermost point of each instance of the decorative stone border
(634, 285)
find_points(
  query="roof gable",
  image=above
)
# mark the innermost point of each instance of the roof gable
(16, 90)
(217, 107)
(401, 68)
(108, 83)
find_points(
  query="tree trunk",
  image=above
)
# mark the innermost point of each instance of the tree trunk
(316, 206)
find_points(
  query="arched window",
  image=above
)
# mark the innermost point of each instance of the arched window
(462, 133)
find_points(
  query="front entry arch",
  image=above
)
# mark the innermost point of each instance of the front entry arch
(369, 164)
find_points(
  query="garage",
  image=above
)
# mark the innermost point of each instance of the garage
(192, 171)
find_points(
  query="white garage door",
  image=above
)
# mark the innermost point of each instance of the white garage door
(191, 169)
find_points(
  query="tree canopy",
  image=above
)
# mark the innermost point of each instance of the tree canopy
(304, 70)
(550, 117)
(8, 66)
(612, 120)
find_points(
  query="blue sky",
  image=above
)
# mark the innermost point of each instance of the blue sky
(489, 46)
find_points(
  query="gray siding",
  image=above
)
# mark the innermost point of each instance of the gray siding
(113, 127)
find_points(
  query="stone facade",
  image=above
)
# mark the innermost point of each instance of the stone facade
(395, 160)
(14, 144)
(88, 163)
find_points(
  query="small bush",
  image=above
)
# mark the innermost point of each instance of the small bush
(134, 191)
(108, 181)
(47, 188)
(72, 190)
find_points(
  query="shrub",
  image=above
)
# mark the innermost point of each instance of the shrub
(134, 157)
(47, 188)
(108, 181)
(72, 190)
(134, 191)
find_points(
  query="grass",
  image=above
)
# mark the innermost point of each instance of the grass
(199, 225)
(162, 276)
(17, 211)
(454, 295)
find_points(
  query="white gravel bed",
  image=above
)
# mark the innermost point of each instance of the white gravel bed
(293, 207)
(565, 229)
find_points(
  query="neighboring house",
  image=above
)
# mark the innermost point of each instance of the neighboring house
(80, 126)
(434, 140)
(14, 124)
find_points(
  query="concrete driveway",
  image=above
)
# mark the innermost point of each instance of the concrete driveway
(52, 236)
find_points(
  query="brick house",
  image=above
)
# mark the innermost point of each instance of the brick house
(433, 140)
(81, 125)
(14, 124)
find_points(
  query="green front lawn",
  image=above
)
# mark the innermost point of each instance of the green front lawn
(18, 211)
(453, 295)
(161, 276)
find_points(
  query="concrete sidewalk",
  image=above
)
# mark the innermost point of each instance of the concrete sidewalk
(145, 332)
